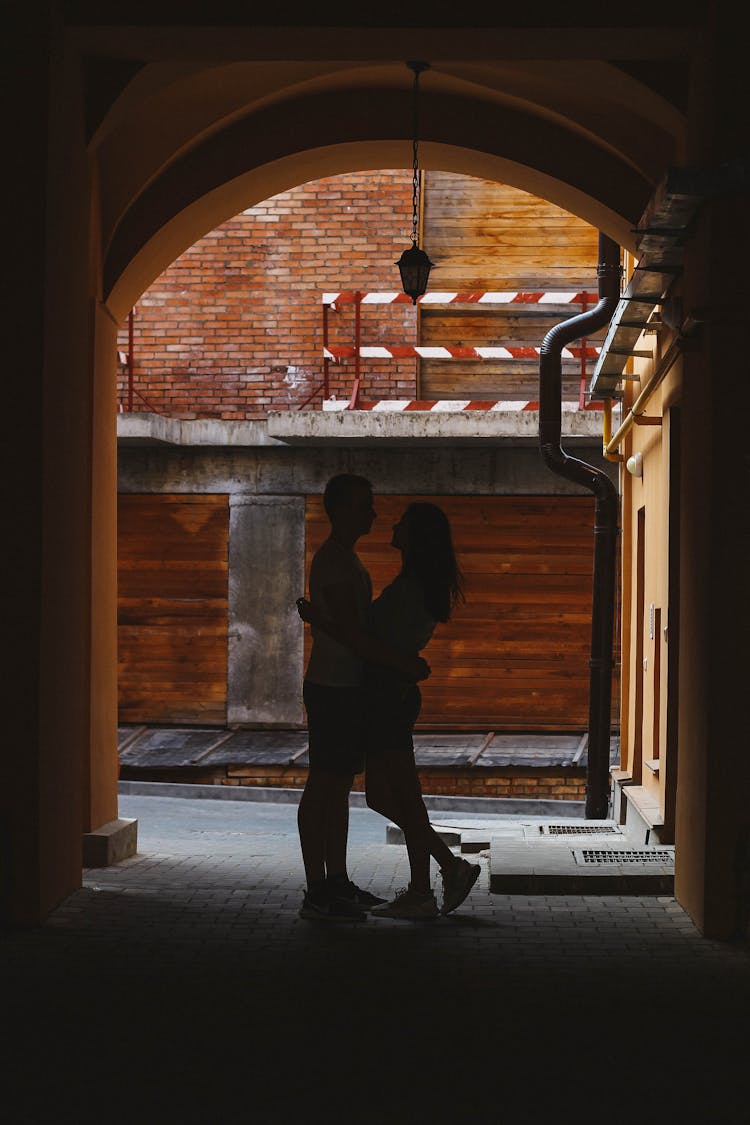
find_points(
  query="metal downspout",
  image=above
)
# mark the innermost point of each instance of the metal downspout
(605, 517)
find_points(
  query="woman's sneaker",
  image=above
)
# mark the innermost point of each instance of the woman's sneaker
(324, 907)
(458, 880)
(410, 905)
(345, 889)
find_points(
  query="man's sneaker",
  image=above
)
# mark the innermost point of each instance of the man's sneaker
(348, 891)
(323, 907)
(410, 905)
(458, 880)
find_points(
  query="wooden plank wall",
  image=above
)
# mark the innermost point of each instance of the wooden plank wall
(515, 657)
(487, 236)
(172, 608)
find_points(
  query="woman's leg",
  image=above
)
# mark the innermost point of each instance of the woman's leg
(378, 793)
(408, 810)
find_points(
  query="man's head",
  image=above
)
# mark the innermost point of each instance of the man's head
(349, 505)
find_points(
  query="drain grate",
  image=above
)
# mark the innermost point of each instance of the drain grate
(585, 830)
(623, 855)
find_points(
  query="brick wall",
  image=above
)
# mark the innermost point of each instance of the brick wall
(540, 784)
(233, 328)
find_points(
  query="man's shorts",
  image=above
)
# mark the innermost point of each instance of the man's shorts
(335, 727)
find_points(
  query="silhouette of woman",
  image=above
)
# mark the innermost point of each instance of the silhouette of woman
(404, 616)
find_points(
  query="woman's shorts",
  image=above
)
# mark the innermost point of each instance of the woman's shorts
(392, 710)
(335, 727)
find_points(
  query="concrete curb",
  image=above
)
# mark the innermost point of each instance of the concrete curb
(513, 806)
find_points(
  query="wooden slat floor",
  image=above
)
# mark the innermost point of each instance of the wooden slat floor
(150, 748)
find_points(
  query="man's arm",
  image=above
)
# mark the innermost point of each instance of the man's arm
(341, 623)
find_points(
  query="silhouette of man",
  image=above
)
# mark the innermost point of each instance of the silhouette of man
(339, 587)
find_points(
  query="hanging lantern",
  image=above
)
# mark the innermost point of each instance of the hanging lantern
(414, 265)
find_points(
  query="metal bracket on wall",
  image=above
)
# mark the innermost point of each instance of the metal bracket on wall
(487, 740)
(660, 236)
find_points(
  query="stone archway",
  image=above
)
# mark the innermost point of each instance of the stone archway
(292, 134)
(141, 157)
(176, 168)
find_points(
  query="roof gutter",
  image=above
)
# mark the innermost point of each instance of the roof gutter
(605, 517)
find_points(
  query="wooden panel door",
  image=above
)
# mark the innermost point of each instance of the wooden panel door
(172, 608)
(485, 235)
(515, 656)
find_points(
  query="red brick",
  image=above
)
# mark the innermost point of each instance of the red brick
(214, 303)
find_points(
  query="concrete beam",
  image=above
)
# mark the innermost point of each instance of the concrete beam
(157, 429)
(355, 427)
(460, 427)
(493, 469)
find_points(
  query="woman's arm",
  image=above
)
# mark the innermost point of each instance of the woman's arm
(363, 644)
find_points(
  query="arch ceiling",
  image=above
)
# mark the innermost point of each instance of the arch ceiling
(188, 145)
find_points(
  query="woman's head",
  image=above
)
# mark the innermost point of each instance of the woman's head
(423, 535)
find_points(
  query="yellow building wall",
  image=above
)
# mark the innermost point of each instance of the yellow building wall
(648, 752)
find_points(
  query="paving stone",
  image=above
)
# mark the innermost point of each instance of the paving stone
(184, 978)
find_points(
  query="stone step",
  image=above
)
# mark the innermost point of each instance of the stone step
(591, 865)
(537, 856)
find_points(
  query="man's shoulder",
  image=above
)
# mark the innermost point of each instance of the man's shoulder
(332, 555)
(334, 565)
(327, 547)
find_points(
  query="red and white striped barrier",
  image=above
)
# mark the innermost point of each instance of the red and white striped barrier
(448, 406)
(409, 351)
(511, 297)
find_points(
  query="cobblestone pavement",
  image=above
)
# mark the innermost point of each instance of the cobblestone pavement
(182, 986)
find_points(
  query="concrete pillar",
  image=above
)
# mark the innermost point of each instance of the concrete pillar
(712, 832)
(47, 584)
(266, 575)
(100, 770)
(712, 861)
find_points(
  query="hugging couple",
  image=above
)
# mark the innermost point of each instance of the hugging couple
(362, 700)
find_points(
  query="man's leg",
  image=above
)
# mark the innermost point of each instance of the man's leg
(337, 824)
(312, 818)
(323, 813)
(323, 822)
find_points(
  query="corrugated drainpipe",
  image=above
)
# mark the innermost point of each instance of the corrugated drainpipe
(605, 517)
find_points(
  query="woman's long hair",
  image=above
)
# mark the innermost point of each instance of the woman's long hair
(431, 560)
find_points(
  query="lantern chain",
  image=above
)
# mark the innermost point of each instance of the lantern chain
(415, 157)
